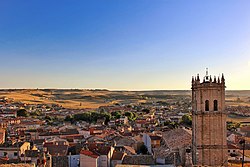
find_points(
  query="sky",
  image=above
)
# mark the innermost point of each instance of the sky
(123, 44)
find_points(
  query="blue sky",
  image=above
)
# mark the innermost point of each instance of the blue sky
(123, 44)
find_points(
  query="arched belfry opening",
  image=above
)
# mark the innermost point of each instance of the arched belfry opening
(207, 105)
(215, 105)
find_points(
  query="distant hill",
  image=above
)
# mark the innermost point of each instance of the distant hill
(85, 98)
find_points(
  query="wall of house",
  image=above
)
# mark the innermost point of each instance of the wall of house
(74, 160)
(103, 161)
(60, 161)
(147, 142)
(110, 155)
(155, 143)
(231, 138)
(115, 162)
(233, 151)
(34, 135)
(86, 161)
(25, 146)
(160, 161)
(2, 136)
(12, 152)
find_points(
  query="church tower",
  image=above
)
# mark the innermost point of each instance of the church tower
(209, 143)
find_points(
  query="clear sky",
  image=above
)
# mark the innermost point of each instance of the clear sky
(123, 44)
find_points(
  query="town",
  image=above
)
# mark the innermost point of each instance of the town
(125, 83)
(156, 133)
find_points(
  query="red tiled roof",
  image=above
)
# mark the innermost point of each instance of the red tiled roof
(99, 149)
(74, 136)
(232, 146)
(88, 153)
(55, 150)
(155, 137)
(245, 128)
(117, 155)
(141, 121)
(104, 150)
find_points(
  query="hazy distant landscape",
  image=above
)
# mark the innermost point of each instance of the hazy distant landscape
(82, 98)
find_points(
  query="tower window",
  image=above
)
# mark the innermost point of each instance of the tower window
(215, 105)
(207, 105)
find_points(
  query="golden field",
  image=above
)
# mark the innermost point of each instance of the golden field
(81, 98)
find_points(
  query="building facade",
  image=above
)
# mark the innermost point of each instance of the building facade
(209, 144)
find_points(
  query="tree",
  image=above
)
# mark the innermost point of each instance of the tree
(232, 126)
(92, 116)
(146, 110)
(171, 125)
(186, 119)
(131, 116)
(174, 125)
(86, 116)
(48, 118)
(107, 117)
(116, 114)
(68, 118)
(36, 113)
(22, 113)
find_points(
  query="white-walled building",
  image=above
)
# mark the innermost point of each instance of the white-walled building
(88, 158)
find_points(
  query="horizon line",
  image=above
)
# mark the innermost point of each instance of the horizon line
(105, 89)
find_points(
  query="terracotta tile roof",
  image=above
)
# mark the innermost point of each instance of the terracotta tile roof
(74, 136)
(89, 153)
(99, 148)
(16, 165)
(38, 141)
(247, 153)
(138, 160)
(232, 146)
(56, 150)
(130, 149)
(155, 137)
(49, 134)
(177, 138)
(102, 150)
(31, 153)
(117, 155)
(161, 152)
(125, 141)
(141, 121)
(69, 131)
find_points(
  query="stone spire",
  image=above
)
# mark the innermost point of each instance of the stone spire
(214, 79)
(198, 78)
(222, 79)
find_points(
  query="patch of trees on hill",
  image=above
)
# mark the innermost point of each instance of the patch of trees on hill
(93, 116)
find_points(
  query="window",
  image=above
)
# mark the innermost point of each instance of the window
(215, 105)
(206, 105)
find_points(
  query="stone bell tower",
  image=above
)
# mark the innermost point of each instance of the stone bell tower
(209, 143)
